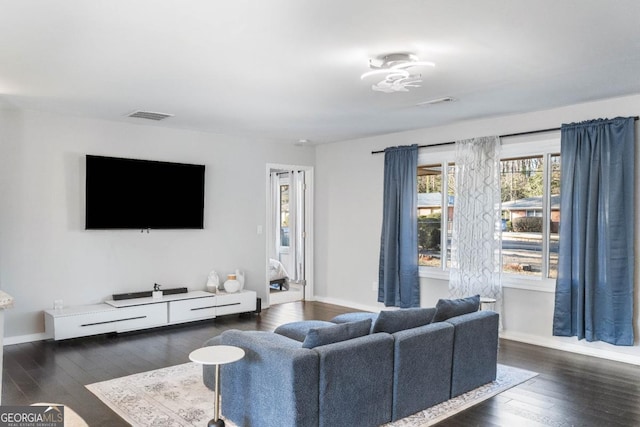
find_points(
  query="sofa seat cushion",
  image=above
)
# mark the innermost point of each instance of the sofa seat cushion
(448, 308)
(392, 321)
(298, 330)
(317, 337)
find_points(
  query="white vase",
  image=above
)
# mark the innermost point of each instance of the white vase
(213, 282)
(240, 278)
(231, 285)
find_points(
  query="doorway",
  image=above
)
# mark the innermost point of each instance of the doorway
(289, 237)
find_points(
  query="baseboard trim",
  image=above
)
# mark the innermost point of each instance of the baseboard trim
(21, 339)
(350, 304)
(571, 345)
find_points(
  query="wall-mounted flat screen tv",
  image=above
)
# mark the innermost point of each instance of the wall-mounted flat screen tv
(143, 194)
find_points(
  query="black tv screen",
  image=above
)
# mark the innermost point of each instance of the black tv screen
(142, 194)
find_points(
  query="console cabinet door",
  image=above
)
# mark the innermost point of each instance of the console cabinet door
(241, 302)
(111, 320)
(192, 309)
(142, 317)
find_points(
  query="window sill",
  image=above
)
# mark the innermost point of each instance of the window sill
(547, 285)
(508, 281)
(433, 273)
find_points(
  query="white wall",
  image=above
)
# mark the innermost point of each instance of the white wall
(349, 216)
(46, 254)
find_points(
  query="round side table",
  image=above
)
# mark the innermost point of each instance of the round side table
(487, 303)
(216, 355)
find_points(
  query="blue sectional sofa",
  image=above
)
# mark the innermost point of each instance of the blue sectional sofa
(360, 369)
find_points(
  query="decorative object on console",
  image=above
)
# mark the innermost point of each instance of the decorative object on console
(232, 284)
(213, 282)
(240, 278)
(157, 293)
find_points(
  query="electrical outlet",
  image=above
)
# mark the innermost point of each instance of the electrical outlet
(374, 286)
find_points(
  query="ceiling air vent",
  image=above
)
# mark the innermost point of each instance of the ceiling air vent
(149, 115)
(437, 101)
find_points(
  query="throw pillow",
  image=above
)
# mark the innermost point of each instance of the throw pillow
(392, 321)
(336, 333)
(448, 308)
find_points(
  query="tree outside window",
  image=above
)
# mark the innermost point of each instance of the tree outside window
(431, 215)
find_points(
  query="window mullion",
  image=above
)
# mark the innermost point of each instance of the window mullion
(444, 217)
(546, 213)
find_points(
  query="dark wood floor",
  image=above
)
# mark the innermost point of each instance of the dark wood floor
(571, 390)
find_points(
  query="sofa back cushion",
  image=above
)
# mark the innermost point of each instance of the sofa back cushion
(392, 321)
(336, 333)
(448, 308)
(298, 330)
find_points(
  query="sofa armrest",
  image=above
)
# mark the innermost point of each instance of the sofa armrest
(275, 384)
(355, 386)
(475, 350)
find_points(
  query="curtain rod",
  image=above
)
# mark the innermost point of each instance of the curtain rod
(531, 132)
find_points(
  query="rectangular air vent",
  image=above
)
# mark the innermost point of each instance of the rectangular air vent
(149, 115)
(437, 101)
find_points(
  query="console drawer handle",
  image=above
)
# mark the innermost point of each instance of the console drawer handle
(114, 321)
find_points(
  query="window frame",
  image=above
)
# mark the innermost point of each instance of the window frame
(545, 145)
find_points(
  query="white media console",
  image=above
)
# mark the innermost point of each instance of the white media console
(141, 313)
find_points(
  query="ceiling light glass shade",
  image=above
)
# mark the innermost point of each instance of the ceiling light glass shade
(413, 64)
(394, 67)
(384, 71)
(401, 84)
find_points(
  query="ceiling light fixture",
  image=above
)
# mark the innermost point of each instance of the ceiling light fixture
(394, 67)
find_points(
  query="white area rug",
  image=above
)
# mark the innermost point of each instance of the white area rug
(176, 396)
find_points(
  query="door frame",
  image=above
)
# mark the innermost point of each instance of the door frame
(309, 225)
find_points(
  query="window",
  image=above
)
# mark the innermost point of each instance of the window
(431, 215)
(530, 192)
(527, 247)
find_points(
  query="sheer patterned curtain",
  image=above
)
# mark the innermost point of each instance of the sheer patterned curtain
(594, 290)
(476, 237)
(398, 282)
